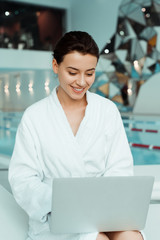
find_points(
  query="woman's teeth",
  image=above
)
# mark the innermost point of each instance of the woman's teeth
(78, 89)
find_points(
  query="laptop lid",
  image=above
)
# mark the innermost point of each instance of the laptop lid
(81, 205)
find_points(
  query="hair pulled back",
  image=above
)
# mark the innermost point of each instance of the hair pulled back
(75, 41)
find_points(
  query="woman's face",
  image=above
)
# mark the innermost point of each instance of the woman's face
(76, 74)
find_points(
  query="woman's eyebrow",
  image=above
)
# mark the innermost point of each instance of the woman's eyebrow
(90, 69)
(73, 68)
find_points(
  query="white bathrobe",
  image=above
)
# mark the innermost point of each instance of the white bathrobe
(46, 148)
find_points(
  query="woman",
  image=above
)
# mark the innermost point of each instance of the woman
(71, 133)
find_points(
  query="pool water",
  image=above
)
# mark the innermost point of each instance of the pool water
(135, 130)
(8, 127)
(146, 133)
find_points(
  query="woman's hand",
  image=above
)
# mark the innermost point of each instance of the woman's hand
(102, 236)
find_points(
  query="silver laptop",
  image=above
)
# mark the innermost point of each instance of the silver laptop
(81, 205)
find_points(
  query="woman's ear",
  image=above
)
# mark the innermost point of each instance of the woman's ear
(55, 66)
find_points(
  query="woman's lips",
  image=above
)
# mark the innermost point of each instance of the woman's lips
(78, 90)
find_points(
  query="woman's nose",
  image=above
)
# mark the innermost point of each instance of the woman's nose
(81, 81)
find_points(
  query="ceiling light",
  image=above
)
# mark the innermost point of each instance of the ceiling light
(143, 9)
(106, 50)
(7, 13)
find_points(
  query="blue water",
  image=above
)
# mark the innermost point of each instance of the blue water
(143, 156)
(9, 123)
(8, 127)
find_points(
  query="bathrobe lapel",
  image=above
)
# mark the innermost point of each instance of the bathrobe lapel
(72, 144)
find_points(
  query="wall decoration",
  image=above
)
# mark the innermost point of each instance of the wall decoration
(132, 55)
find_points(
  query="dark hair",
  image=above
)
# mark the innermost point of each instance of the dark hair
(75, 41)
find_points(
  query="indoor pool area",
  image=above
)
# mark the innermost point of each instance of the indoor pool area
(87, 77)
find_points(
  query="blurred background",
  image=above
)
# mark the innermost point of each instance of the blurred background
(128, 35)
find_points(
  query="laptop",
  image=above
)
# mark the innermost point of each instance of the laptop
(102, 204)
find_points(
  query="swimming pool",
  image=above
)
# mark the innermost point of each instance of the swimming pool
(8, 126)
(143, 134)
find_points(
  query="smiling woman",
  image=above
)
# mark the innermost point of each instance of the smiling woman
(76, 74)
(71, 133)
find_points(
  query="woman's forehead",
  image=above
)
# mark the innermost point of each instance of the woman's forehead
(77, 59)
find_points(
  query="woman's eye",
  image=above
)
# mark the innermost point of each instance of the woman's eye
(72, 73)
(89, 74)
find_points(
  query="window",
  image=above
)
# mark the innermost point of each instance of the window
(28, 26)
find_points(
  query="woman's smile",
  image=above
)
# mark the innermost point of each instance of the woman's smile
(78, 90)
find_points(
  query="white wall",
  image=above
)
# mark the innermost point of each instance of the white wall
(97, 17)
(12, 59)
(148, 100)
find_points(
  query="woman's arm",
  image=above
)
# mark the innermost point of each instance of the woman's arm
(26, 176)
(119, 160)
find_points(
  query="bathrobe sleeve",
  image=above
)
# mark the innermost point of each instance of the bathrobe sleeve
(119, 161)
(88, 236)
(26, 175)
